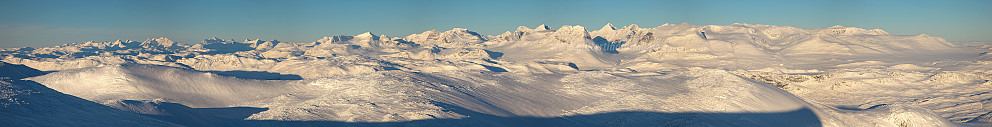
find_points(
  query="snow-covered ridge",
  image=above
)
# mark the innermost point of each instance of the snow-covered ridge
(398, 96)
(567, 75)
(764, 36)
(567, 44)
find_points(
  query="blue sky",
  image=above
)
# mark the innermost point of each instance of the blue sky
(40, 23)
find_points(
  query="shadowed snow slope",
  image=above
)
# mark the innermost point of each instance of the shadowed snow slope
(14, 71)
(26, 103)
(149, 82)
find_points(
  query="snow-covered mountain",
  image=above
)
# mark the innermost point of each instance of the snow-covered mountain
(730, 75)
(605, 49)
(28, 103)
(392, 96)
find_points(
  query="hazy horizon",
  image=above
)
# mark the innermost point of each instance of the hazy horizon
(47, 23)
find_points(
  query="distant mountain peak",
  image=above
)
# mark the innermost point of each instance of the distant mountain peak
(449, 38)
(543, 27)
(459, 29)
(366, 34)
(632, 26)
(161, 41)
(609, 26)
(214, 38)
(522, 28)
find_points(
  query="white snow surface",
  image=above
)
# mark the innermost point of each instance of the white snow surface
(28, 103)
(670, 75)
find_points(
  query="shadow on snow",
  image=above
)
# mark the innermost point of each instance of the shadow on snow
(234, 117)
(259, 75)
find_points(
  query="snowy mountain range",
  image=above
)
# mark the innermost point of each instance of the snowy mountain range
(670, 75)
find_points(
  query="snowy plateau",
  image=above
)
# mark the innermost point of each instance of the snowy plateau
(670, 75)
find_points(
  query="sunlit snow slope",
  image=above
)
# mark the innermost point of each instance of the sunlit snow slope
(27, 103)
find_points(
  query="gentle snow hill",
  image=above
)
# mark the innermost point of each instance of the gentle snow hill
(26, 103)
(150, 82)
(956, 95)
(477, 98)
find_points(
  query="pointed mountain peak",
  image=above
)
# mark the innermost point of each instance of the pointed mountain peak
(383, 37)
(463, 31)
(215, 38)
(366, 34)
(543, 27)
(523, 28)
(249, 41)
(329, 39)
(569, 34)
(633, 26)
(460, 35)
(156, 39)
(609, 26)
(162, 41)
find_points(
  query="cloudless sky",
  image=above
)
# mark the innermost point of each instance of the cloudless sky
(40, 23)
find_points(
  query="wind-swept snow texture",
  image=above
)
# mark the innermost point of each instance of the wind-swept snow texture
(27, 103)
(397, 96)
(670, 75)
